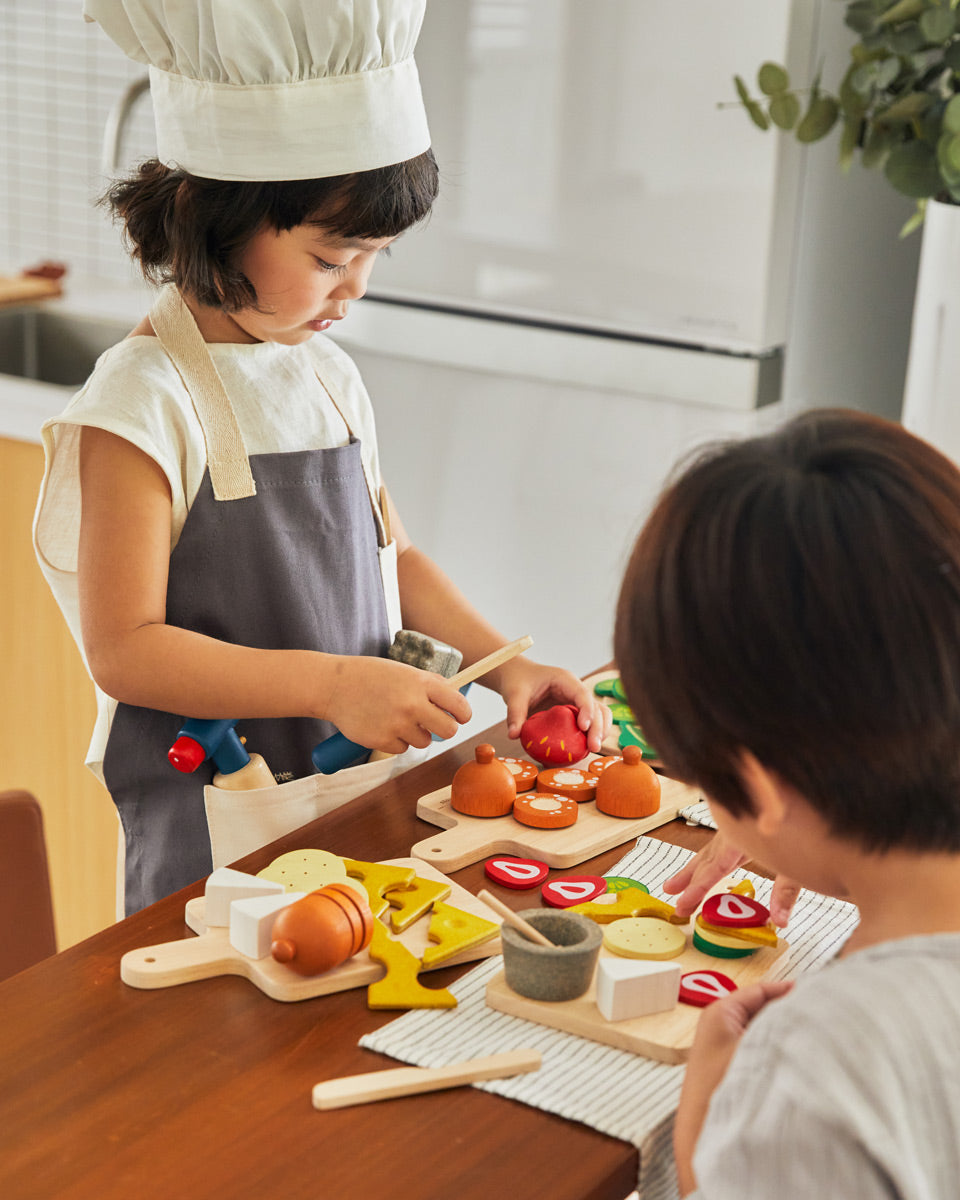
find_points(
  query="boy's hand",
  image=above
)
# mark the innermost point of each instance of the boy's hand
(709, 865)
(720, 1028)
(528, 686)
(389, 706)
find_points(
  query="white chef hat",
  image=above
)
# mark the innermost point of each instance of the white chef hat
(276, 89)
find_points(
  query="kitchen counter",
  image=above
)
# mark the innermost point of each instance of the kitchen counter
(26, 403)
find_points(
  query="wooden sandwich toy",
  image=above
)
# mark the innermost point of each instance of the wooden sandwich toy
(652, 976)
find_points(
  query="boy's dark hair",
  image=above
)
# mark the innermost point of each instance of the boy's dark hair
(798, 595)
(191, 231)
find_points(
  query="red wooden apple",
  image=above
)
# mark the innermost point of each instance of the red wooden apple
(552, 737)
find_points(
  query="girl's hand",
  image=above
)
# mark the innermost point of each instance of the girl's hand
(719, 1030)
(528, 686)
(389, 706)
(717, 859)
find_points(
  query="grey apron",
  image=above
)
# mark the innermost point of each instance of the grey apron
(293, 566)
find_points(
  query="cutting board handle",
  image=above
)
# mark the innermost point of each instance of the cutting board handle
(183, 961)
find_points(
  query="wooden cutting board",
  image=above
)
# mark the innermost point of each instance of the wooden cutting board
(665, 1036)
(211, 954)
(466, 839)
(22, 289)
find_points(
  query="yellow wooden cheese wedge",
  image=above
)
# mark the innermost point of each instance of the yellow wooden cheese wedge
(644, 937)
(410, 903)
(631, 902)
(305, 870)
(455, 930)
(732, 935)
(378, 878)
(400, 988)
(744, 888)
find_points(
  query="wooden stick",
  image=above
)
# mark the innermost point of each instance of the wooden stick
(511, 918)
(496, 659)
(411, 1081)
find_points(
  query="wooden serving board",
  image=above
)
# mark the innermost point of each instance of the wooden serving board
(466, 840)
(665, 1036)
(23, 289)
(211, 954)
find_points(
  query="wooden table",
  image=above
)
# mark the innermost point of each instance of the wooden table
(204, 1090)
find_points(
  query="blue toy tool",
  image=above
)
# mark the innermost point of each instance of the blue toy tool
(199, 740)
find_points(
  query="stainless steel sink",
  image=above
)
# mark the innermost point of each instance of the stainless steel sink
(54, 347)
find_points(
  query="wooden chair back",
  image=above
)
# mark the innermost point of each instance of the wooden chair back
(27, 932)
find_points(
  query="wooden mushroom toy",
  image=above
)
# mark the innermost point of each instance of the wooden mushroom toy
(322, 930)
(629, 788)
(485, 787)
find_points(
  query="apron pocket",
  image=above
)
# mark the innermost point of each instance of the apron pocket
(241, 822)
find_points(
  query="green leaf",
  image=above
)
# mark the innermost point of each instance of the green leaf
(951, 57)
(907, 39)
(772, 79)
(849, 140)
(861, 17)
(907, 108)
(911, 169)
(903, 10)
(951, 115)
(948, 158)
(784, 110)
(819, 119)
(877, 146)
(937, 25)
(916, 220)
(754, 111)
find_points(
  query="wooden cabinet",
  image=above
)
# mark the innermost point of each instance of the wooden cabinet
(47, 711)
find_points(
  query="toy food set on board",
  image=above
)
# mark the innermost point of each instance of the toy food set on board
(623, 970)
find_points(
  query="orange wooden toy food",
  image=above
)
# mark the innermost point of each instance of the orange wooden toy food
(484, 788)
(322, 930)
(578, 783)
(544, 811)
(629, 788)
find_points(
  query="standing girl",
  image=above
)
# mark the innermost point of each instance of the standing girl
(212, 520)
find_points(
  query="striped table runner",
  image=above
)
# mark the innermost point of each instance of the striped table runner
(611, 1090)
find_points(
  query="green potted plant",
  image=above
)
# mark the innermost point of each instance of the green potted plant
(898, 104)
(898, 109)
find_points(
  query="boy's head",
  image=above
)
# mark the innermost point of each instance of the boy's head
(798, 595)
(192, 231)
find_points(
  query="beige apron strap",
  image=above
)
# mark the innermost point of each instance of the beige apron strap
(227, 458)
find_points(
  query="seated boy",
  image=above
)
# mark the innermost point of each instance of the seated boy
(788, 634)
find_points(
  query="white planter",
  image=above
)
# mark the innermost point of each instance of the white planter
(931, 401)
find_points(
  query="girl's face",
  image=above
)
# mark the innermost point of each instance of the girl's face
(304, 278)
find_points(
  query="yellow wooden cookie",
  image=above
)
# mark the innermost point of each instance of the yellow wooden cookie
(631, 902)
(644, 937)
(408, 904)
(400, 988)
(305, 870)
(455, 930)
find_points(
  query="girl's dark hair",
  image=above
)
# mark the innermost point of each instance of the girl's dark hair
(798, 595)
(191, 231)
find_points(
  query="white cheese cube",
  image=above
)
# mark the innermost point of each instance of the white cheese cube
(226, 885)
(251, 922)
(634, 987)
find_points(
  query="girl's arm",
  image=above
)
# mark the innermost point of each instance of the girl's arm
(137, 658)
(432, 604)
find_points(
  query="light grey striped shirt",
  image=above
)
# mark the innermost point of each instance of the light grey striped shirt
(847, 1087)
